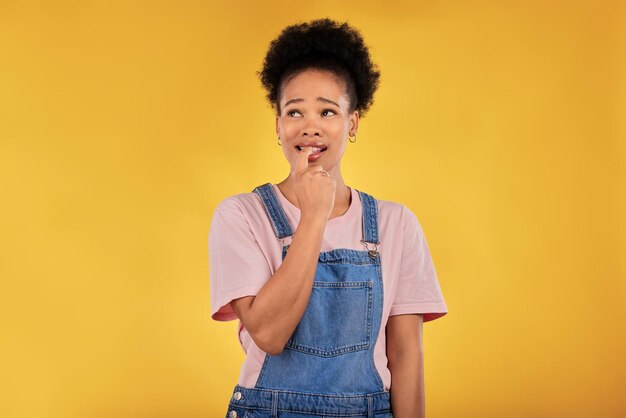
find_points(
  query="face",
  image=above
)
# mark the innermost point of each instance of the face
(314, 109)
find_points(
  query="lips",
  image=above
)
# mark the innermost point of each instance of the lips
(316, 147)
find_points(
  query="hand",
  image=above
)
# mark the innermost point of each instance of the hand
(314, 191)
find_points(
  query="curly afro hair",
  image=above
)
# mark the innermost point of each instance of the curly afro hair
(321, 44)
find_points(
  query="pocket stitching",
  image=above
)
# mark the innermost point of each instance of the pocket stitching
(348, 348)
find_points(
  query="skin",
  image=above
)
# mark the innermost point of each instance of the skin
(405, 356)
(312, 119)
(273, 314)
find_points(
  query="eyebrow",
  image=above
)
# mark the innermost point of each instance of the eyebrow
(319, 99)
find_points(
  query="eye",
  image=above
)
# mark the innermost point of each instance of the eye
(329, 110)
(292, 111)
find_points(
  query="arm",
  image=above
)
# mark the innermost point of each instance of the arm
(405, 354)
(273, 314)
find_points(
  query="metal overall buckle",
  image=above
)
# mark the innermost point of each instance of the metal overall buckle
(372, 253)
(286, 246)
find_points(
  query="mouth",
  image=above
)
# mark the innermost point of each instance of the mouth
(316, 149)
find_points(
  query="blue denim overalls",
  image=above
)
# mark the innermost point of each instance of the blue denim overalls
(327, 367)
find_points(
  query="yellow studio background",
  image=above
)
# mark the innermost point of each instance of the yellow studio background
(123, 125)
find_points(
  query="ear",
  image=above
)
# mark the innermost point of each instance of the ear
(277, 130)
(354, 122)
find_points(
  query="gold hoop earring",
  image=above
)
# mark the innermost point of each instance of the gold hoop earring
(349, 139)
(279, 144)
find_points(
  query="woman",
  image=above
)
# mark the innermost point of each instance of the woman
(330, 285)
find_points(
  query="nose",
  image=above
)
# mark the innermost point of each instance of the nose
(307, 134)
(311, 129)
(311, 126)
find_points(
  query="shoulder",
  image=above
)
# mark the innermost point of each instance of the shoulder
(237, 211)
(241, 203)
(396, 212)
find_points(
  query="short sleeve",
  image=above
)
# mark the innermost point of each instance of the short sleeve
(417, 290)
(237, 266)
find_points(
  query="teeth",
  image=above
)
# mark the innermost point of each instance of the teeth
(313, 149)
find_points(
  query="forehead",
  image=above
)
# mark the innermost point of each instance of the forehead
(309, 84)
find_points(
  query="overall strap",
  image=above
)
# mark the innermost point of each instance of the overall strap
(274, 210)
(370, 218)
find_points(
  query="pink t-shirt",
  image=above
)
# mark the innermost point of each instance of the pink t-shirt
(244, 253)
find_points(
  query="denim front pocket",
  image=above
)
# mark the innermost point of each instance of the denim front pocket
(337, 319)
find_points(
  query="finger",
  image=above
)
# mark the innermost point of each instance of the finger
(302, 161)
